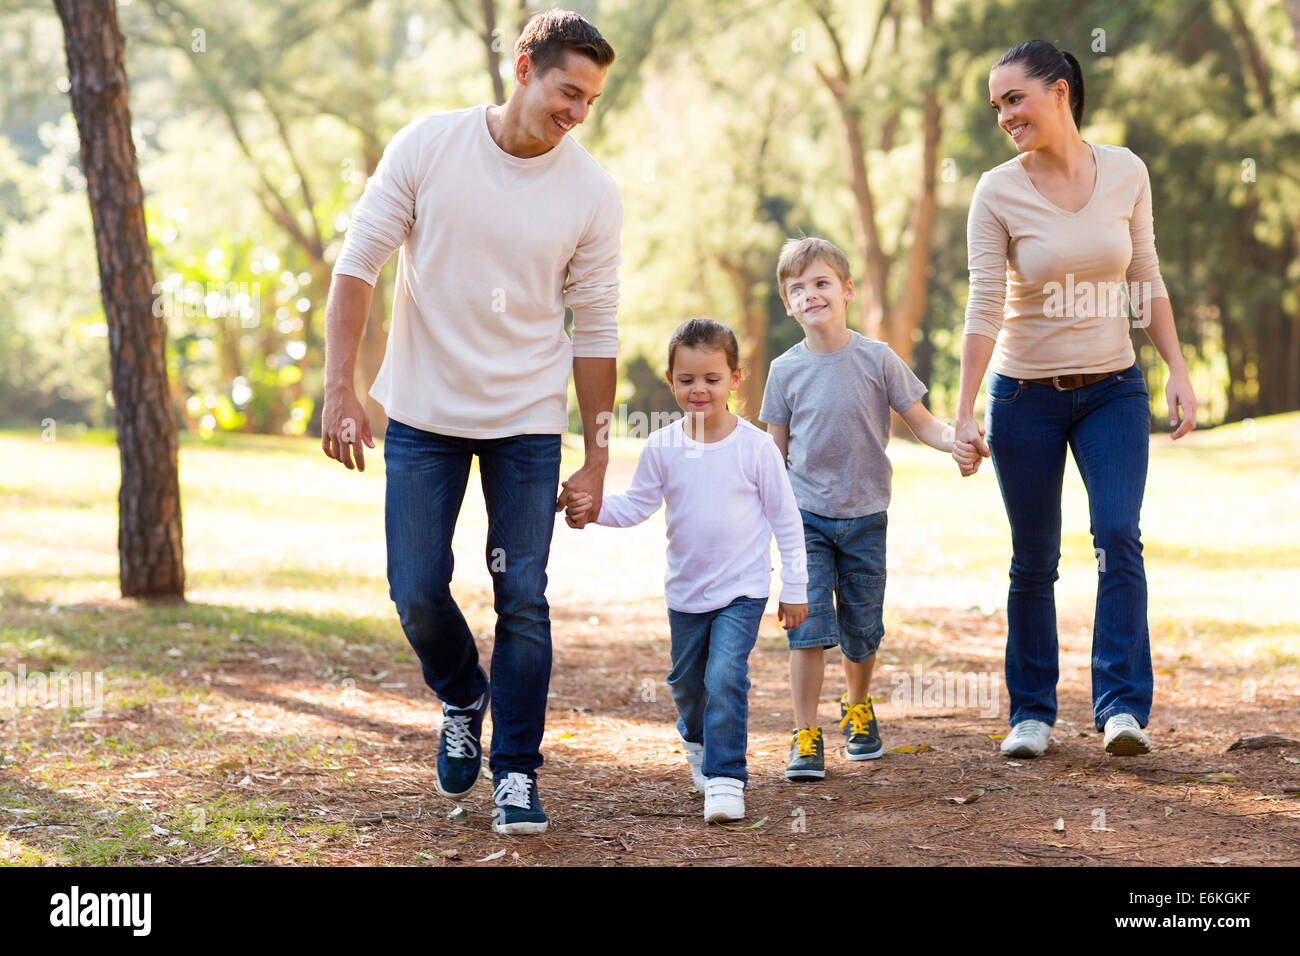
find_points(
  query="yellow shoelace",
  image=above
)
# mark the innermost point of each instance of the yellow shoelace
(861, 715)
(806, 740)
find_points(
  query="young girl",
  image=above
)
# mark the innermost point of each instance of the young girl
(727, 492)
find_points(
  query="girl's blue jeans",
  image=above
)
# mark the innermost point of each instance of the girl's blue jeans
(710, 681)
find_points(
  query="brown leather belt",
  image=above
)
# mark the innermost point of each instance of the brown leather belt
(1065, 383)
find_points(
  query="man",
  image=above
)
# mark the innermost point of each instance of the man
(503, 221)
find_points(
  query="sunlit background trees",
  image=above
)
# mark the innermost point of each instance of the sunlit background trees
(729, 125)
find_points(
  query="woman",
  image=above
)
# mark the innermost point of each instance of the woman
(1053, 235)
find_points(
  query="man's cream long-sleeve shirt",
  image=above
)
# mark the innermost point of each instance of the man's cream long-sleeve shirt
(493, 249)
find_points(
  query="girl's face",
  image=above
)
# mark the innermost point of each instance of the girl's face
(1029, 110)
(702, 381)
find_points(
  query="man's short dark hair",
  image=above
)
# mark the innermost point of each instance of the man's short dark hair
(549, 36)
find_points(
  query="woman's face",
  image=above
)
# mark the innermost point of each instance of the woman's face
(1028, 109)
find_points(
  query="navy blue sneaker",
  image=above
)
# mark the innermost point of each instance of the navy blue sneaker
(518, 809)
(861, 733)
(459, 755)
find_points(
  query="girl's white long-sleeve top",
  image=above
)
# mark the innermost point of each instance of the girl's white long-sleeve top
(725, 500)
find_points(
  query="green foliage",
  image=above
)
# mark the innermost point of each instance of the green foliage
(256, 125)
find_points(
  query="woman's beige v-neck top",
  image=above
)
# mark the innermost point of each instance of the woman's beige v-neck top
(1054, 288)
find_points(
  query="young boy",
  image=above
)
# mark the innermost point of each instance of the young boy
(827, 406)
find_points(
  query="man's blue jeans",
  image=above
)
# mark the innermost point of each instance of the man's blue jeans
(710, 681)
(1107, 427)
(427, 477)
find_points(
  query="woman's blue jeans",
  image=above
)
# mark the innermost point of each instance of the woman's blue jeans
(1107, 428)
(710, 681)
(427, 477)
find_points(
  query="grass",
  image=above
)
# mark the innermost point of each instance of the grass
(286, 578)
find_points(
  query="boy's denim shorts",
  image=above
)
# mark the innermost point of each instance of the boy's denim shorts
(846, 562)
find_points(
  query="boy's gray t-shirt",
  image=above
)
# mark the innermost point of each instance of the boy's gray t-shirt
(837, 409)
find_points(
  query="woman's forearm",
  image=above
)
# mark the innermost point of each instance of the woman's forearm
(1164, 335)
(976, 351)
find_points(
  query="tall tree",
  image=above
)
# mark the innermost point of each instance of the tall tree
(149, 501)
(885, 315)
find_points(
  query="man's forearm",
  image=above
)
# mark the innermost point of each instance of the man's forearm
(346, 310)
(594, 381)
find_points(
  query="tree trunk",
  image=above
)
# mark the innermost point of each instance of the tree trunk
(906, 317)
(149, 506)
(753, 337)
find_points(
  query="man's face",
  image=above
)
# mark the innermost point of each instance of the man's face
(559, 99)
(817, 299)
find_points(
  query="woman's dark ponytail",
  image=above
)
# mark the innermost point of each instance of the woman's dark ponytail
(1043, 61)
(1076, 88)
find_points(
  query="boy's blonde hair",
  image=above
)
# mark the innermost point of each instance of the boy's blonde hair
(798, 254)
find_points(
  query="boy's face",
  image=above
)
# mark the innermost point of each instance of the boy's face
(817, 299)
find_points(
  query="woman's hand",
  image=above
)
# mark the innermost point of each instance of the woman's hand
(1181, 401)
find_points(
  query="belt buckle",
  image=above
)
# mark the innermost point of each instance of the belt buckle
(1056, 383)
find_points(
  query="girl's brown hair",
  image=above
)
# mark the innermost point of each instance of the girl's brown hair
(705, 334)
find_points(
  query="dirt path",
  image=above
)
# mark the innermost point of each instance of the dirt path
(617, 791)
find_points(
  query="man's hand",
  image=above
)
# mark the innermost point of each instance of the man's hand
(589, 480)
(344, 428)
(791, 615)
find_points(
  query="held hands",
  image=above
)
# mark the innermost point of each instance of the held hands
(588, 483)
(791, 615)
(580, 509)
(967, 458)
(968, 446)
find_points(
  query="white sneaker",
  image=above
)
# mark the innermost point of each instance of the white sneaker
(724, 800)
(1029, 738)
(1124, 737)
(695, 760)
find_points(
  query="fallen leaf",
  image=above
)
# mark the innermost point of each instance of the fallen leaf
(459, 813)
(1168, 810)
(1219, 777)
(910, 750)
(970, 797)
(752, 826)
(451, 854)
(1059, 825)
(1291, 759)
(245, 782)
(493, 856)
(565, 736)
(1218, 859)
